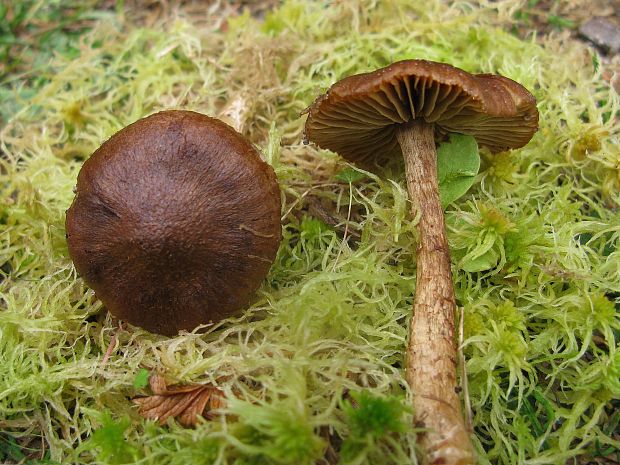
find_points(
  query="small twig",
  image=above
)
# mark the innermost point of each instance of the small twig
(295, 203)
(109, 351)
(111, 345)
(466, 400)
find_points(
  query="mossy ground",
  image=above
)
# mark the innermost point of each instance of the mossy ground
(534, 244)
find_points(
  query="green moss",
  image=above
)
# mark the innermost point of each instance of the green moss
(374, 416)
(110, 443)
(282, 430)
(534, 245)
(372, 423)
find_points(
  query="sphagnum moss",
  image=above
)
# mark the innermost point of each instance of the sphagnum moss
(535, 250)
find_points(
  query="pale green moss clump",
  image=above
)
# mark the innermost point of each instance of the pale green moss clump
(534, 244)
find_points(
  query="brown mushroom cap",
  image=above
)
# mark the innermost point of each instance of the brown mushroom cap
(358, 115)
(175, 223)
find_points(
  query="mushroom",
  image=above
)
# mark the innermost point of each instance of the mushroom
(175, 223)
(400, 110)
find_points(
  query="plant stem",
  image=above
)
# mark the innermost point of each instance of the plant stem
(431, 352)
(236, 111)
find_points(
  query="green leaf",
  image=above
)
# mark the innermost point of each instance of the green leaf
(484, 262)
(458, 162)
(141, 379)
(350, 175)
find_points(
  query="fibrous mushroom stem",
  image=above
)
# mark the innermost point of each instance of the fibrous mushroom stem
(431, 352)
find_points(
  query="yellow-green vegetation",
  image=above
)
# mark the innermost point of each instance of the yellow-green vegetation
(313, 369)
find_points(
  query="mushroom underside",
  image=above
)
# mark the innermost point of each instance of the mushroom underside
(360, 125)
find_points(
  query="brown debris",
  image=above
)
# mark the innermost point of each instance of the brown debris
(184, 402)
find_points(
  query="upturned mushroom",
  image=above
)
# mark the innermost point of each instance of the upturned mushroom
(401, 110)
(175, 223)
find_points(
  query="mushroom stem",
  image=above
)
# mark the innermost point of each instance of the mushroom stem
(431, 352)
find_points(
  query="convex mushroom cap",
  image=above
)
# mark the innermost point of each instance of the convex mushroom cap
(358, 116)
(175, 223)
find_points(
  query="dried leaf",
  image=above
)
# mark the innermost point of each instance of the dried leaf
(183, 402)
